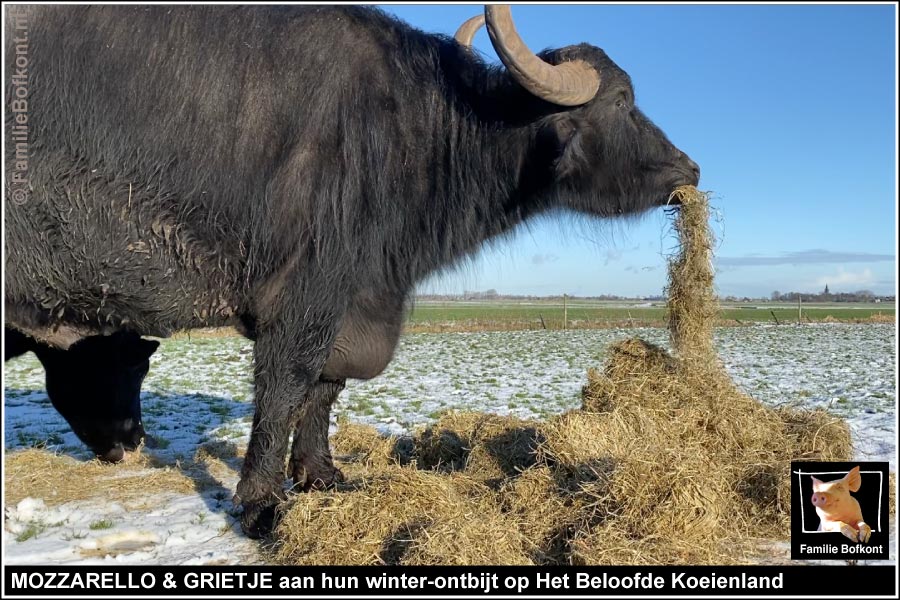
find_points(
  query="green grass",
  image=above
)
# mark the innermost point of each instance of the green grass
(38, 440)
(433, 316)
(510, 312)
(500, 312)
(33, 529)
(101, 524)
(222, 411)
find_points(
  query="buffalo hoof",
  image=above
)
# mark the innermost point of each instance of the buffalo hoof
(308, 479)
(258, 520)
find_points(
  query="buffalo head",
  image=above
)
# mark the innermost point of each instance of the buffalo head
(96, 386)
(605, 156)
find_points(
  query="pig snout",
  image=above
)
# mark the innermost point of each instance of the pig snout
(820, 500)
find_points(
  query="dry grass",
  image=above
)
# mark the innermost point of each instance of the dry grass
(490, 447)
(206, 333)
(692, 303)
(364, 446)
(667, 462)
(59, 479)
(404, 515)
(878, 318)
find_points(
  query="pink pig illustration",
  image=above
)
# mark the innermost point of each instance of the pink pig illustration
(837, 509)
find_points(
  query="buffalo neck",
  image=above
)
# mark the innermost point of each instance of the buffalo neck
(474, 181)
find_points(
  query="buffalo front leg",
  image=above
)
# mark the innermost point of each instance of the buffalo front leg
(285, 368)
(311, 465)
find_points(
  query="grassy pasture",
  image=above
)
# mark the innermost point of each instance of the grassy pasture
(427, 316)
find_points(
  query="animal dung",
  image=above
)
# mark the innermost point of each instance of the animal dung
(666, 462)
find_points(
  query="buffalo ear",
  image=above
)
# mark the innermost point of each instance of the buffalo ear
(139, 351)
(560, 138)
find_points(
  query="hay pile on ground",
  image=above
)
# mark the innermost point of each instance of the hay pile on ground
(666, 462)
(57, 479)
(402, 515)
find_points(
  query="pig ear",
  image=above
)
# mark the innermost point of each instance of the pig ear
(816, 483)
(854, 479)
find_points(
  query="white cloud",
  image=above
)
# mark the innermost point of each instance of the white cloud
(847, 280)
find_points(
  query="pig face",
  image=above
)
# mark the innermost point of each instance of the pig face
(832, 495)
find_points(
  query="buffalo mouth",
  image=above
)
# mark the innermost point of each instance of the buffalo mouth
(673, 199)
(669, 202)
(112, 448)
(111, 455)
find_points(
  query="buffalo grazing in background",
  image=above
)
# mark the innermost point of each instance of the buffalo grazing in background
(95, 384)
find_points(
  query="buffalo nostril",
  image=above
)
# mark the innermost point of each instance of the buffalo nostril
(695, 169)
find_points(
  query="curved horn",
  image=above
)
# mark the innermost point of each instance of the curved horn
(567, 84)
(466, 32)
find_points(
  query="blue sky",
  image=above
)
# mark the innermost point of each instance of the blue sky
(788, 109)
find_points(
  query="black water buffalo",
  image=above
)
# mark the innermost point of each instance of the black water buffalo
(293, 171)
(95, 384)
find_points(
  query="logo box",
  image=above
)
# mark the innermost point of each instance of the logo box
(807, 542)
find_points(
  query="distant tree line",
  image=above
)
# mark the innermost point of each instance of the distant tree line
(776, 296)
(826, 296)
(494, 295)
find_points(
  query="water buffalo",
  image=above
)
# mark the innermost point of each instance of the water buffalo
(95, 384)
(293, 171)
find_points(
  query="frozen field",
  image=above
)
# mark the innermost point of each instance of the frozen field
(200, 390)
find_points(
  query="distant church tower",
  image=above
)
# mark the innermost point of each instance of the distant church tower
(826, 289)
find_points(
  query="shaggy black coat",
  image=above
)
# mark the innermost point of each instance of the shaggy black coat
(294, 171)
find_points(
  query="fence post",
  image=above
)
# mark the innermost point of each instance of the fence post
(565, 313)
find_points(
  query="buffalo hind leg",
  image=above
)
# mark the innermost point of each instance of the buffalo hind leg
(311, 465)
(287, 361)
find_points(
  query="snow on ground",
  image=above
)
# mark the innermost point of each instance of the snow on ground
(200, 390)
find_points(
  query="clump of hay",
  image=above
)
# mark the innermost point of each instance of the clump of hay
(216, 450)
(490, 447)
(880, 318)
(667, 462)
(58, 479)
(692, 304)
(363, 445)
(892, 493)
(217, 462)
(407, 516)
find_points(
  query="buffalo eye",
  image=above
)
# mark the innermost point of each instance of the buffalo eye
(620, 103)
